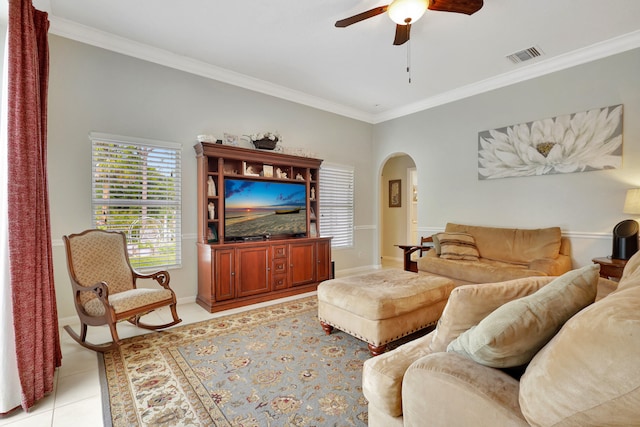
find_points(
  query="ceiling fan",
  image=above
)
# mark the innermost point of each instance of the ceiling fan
(406, 12)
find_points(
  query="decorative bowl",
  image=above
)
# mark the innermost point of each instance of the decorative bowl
(265, 143)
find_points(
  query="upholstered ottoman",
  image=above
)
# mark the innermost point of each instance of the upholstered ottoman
(383, 306)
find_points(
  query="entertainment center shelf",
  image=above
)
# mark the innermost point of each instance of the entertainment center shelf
(250, 250)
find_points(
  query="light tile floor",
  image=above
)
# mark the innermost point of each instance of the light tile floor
(76, 399)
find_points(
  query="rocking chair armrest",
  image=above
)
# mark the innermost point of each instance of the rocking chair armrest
(162, 277)
(101, 289)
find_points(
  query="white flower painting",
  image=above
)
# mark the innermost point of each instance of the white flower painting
(586, 141)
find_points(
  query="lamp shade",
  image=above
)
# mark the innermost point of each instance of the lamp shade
(632, 202)
(406, 11)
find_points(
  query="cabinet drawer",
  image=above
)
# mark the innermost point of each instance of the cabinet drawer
(279, 251)
(280, 281)
(280, 266)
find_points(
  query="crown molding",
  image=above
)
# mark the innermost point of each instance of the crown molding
(91, 36)
(74, 31)
(577, 57)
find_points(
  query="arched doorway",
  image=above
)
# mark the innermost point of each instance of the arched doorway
(398, 208)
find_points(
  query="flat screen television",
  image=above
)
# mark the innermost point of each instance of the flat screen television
(258, 208)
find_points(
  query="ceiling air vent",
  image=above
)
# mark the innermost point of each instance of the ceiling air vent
(525, 55)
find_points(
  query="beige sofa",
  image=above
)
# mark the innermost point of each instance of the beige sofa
(586, 374)
(494, 254)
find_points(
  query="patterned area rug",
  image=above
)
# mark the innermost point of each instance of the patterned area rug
(266, 367)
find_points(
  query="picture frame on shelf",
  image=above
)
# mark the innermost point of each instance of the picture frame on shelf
(395, 193)
(267, 171)
(230, 139)
(313, 230)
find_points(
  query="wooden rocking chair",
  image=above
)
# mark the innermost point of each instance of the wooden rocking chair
(104, 286)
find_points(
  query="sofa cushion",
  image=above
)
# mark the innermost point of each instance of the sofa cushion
(589, 373)
(512, 245)
(459, 246)
(469, 304)
(446, 389)
(513, 333)
(481, 271)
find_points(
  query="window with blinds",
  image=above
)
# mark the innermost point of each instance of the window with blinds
(336, 204)
(136, 188)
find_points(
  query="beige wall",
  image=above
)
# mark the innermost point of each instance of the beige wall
(443, 141)
(92, 89)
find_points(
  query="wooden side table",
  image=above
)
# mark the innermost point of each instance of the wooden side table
(610, 268)
(409, 264)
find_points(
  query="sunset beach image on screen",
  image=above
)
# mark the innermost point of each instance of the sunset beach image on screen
(258, 208)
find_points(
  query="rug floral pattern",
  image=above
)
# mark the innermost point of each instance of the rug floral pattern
(266, 367)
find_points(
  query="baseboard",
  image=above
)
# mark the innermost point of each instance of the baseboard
(357, 270)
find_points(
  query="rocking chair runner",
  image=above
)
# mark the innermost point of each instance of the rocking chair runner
(104, 286)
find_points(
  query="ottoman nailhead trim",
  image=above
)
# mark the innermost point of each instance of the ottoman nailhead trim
(373, 343)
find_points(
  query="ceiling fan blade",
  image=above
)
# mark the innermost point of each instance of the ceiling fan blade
(468, 7)
(361, 16)
(402, 34)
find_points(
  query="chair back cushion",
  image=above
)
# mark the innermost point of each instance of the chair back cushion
(100, 256)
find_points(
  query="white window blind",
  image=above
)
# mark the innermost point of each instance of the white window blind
(336, 204)
(136, 188)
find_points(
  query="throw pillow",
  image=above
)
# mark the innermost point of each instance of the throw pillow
(469, 304)
(436, 244)
(460, 246)
(513, 333)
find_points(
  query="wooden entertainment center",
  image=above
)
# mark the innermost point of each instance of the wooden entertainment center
(242, 271)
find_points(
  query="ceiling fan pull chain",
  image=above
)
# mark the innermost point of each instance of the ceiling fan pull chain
(409, 59)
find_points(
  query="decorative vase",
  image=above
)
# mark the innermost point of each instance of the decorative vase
(211, 187)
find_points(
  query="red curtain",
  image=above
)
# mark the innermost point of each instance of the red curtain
(31, 267)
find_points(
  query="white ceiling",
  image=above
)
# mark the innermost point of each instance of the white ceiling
(291, 48)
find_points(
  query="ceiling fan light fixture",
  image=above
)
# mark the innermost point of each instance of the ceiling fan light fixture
(404, 12)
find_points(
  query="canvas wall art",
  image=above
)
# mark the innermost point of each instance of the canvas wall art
(580, 142)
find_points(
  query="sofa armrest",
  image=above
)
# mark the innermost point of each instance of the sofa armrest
(552, 266)
(382, 375)
(448, 389)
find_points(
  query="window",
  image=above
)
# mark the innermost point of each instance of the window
(136, 188)
(336, 204)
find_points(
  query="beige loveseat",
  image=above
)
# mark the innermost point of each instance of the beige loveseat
(476, 254)
(587, 374)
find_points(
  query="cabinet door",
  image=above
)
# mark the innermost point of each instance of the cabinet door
(253, 270)
(323, 271)
(302, 263)
(224, 274)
